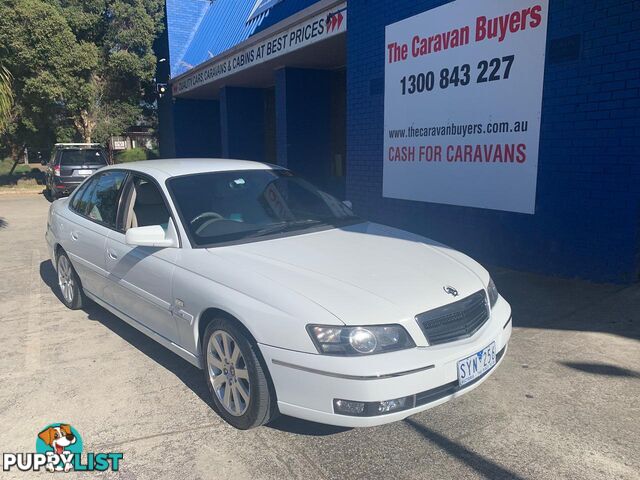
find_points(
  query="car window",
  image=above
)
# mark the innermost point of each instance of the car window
(101, 202)
(80, 200)
(72, 157)
(75, 199)
(230, 206)
(146, 205)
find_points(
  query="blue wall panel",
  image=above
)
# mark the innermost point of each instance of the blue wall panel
(303, 115)
(242, 123)
(197, 128)
(588, 201)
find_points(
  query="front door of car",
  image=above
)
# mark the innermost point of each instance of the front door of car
(139, 278)
(92, 216)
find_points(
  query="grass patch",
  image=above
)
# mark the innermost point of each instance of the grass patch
(7, 163)
(24, 176)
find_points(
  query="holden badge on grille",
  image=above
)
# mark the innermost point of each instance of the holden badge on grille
(450, 290)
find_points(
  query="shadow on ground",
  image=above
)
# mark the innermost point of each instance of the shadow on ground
(561, 304)
(604, 369)
(481, 464)
(191, 376)
(3, 223)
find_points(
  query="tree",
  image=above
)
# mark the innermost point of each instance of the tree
(49, 67)
(82, 69)
(119, 92)
(6, 97)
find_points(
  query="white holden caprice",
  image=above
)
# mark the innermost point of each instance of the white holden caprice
(288, 301)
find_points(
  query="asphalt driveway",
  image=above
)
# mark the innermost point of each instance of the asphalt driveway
(564, 404)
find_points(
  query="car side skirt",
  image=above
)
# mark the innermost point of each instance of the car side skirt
(177, 349)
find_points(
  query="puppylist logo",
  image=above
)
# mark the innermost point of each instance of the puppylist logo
(59, 449)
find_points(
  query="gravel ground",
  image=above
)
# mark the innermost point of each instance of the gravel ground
(563, 405)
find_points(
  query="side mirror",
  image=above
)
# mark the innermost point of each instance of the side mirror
(348, 204)
(43, 162)
(153, 236)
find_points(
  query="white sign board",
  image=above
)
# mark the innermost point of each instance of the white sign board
(463, 94)
(315, 29)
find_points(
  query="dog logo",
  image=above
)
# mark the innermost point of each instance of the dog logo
(64, 441)
(59, 449)
(450, 290)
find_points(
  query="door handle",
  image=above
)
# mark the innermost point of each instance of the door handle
(74, 235)
(112, 255)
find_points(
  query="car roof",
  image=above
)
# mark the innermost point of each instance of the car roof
(173, 167)
(78, 146)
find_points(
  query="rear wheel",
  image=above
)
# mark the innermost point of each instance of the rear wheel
(236, 376)
(69, 283)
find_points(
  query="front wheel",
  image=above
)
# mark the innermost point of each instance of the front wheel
(53, 196)
(69, 283)
(236, 376)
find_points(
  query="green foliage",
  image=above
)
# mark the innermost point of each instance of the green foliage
(6, 97)
(82, 69)
(132, 155)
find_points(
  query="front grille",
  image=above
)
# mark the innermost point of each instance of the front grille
(455, 321)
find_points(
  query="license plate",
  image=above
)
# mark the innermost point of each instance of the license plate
(84, 172)
(476, 365)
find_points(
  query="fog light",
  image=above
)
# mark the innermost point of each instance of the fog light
(389, 406)
(371, 409)
(347, 407)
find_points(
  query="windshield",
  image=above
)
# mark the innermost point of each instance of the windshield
(230, 206)
(81, 157)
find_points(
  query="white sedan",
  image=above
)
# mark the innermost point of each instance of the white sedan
(286, 300)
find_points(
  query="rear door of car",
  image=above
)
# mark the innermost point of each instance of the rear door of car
(140, 278)
(92, 215)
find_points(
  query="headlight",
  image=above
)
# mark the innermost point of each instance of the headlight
(368, 340)
(492, 291)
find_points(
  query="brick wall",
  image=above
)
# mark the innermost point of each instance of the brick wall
(588, 201)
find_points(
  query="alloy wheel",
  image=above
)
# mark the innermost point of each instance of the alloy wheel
(65, 279)
(228, 373)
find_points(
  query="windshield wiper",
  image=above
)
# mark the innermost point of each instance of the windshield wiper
(285, 227)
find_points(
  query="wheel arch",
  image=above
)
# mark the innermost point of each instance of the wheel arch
(210, 314)
(57, 250)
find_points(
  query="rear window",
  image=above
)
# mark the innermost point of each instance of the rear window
(82, 157)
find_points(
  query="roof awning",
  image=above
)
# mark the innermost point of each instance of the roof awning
(261, 7)
(324, 21)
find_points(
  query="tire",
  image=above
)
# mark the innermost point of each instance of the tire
(69, 283)
(52, 194)
(244, 400)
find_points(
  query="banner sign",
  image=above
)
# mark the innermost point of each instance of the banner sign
(463, 96)
(320, 27)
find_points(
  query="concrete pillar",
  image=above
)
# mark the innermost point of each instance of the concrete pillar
(242, 123)
(197, 128)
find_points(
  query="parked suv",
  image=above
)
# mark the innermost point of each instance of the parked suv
(70, 164)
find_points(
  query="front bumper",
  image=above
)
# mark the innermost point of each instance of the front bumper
(307, 384)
